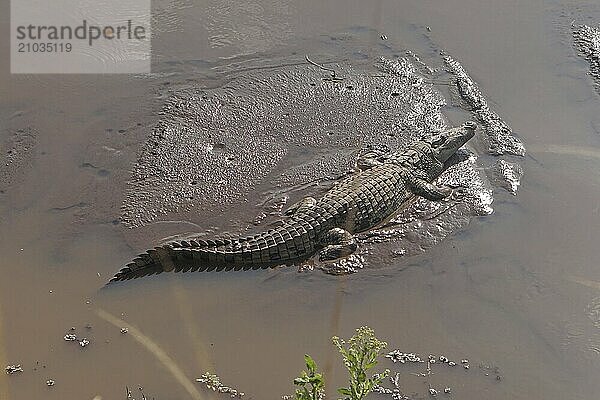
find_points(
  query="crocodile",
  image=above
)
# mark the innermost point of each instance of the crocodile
(382, 183)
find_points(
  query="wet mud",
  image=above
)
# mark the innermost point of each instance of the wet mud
(18, 153)
(587, 42)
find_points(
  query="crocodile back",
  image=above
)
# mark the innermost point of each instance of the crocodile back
(363, 200)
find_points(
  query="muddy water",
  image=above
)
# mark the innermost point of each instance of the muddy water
(518, 289)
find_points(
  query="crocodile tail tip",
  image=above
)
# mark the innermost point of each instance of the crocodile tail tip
(141, 266)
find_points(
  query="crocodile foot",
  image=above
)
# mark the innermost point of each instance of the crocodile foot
(421, 187)
(338, 243)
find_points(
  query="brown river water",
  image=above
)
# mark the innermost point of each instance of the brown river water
(516, 292)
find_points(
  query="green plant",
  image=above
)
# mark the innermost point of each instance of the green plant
(310, 383)
(359, 357)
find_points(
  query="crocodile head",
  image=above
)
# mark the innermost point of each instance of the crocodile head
(443, 145)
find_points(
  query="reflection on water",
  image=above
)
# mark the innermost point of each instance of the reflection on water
(155, 349)
(515, 289)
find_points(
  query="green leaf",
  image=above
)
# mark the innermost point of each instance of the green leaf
(359, 355)
(362, 377)
(371, 365)
(310, 363)
(300, 381)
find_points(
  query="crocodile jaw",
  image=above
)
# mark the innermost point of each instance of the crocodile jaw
(447, 143)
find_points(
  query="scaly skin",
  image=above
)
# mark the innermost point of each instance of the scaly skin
(358, 203)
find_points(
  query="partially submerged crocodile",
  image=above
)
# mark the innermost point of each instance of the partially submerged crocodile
(384, 182)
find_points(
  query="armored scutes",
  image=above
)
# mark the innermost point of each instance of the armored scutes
(384, 182)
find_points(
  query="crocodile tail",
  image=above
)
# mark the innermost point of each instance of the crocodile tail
(174, 256)
(260, 251)
(185, 256)
(150, 263)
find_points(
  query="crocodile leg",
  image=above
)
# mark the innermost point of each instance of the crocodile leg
(370, 158)
(421, 187)
(338, 243)
(303, 205)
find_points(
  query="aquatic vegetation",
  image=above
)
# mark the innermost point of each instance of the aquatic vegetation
(359, 357)
(213, 382)
(310, 383)
(13, 369)
(70, 337)
(129, 394)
